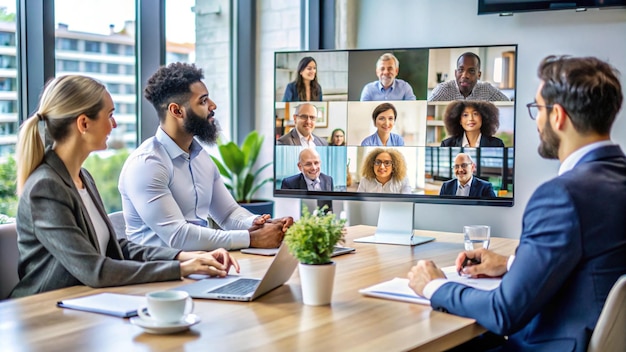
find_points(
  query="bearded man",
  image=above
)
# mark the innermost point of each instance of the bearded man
(169, 185)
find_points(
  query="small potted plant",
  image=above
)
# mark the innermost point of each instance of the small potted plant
(237, 167)
(311, 240)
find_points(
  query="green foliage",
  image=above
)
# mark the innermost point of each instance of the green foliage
(8, 187)
(6, 16)
(237, 167)
(106, 172)
(313, 237)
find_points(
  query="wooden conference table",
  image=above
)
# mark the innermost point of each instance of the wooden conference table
(277, 321)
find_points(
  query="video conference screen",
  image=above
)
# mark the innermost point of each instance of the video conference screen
(412, 124)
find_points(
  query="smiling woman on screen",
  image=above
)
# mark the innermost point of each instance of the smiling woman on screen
(384, 171)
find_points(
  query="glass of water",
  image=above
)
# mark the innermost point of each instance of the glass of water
(476, 236)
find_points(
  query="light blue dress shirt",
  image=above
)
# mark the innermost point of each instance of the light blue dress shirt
(168, 194)
(399, 90)
(395, 140)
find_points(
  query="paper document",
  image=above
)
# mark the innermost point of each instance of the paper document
(119, 305)
(398, 288)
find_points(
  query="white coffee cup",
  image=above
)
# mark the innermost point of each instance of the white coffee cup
(166, 307)
(476, 236)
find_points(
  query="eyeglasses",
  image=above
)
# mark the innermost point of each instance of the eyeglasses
(307, 117)
(533, 109)
(387, 163)
(461, 166)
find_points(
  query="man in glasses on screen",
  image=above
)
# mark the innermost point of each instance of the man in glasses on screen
(572, 247)
(465, 184)
(302, 134)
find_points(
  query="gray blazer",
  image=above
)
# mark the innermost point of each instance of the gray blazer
(57, 242)
(292, 138)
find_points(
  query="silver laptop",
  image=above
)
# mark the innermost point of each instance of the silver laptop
(235, 288)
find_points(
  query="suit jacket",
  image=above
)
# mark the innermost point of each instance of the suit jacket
(572, 250)
(298, 182)
(58, 244)
(478, 188)
(292, 138)
(485, 141)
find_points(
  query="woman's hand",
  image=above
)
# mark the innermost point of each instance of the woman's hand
(214, 263)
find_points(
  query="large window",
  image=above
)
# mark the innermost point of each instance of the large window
(97, 38)
(104, 27)
(8, 107)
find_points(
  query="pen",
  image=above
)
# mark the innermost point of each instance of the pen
(467, 261)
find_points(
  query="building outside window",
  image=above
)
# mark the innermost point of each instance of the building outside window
(104, 47)
(92, 47)
(129, 50)
(113, 68)
(67, 44)
(93, 67)
(113, 88)
(68, 66)
(113, 48)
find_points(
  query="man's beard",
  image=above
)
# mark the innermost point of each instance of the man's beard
(550, 142)
(201, 127)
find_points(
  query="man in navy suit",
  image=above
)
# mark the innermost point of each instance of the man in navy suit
(465, 184)
(305, 118)
(573, 243)
(310, 177)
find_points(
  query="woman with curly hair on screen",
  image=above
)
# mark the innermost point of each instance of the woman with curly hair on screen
(384, 171)
(471, 124)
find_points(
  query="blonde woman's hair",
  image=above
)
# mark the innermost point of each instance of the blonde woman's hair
(398, 173)
(62, 101)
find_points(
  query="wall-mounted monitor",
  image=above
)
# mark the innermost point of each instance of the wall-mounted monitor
(510, 6)
(412, 131)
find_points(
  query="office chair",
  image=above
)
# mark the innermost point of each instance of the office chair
(119, 225)
(9, 257)
(610, 332)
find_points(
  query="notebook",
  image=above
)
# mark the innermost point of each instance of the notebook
(398, 288)
(338, 250)
(115, 304)
(235, 288)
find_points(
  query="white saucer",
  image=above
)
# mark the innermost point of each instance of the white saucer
(152, 327)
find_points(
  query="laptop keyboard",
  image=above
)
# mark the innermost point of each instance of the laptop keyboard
(238, 287)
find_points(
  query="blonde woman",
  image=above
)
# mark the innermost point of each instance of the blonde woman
(65, 236)
(384, 171)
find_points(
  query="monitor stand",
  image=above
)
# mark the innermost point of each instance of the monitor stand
(395, 226)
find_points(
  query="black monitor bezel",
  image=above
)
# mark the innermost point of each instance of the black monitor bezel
(487, 7)
(396, 197)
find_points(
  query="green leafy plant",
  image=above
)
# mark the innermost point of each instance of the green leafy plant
(106, 171)
(313, 237)
(8, 189)
(237, 166)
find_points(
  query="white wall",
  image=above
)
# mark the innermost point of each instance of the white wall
(423, 23)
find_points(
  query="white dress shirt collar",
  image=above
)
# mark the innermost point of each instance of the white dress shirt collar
(575, 157)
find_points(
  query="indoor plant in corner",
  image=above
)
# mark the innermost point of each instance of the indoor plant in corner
(240, 176)
(311, 240)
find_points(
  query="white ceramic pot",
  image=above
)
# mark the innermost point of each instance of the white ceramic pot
(317, 283)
